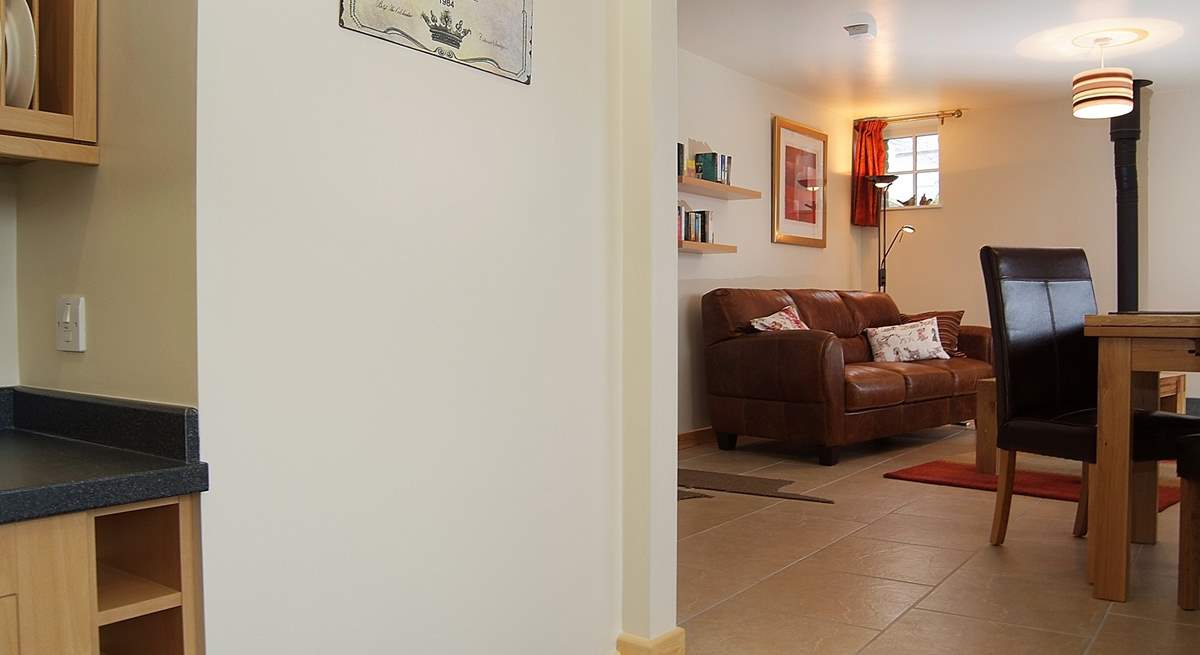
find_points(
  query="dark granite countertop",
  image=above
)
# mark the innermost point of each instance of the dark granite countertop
(79, 467)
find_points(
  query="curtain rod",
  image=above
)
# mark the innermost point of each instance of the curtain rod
(940, 115)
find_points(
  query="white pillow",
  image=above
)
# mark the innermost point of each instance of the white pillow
(910, 342)
(784, 319)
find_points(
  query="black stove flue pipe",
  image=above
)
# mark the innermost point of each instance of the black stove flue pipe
(1125, 131)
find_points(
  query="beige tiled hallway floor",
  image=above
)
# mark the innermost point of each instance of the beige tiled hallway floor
(899, 567)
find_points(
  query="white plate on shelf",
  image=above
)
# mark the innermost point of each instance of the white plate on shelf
(20, 46)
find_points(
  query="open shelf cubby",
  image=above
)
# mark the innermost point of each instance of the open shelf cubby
(138, 568)
(160, 633)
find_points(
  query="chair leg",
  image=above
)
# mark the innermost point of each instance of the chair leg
(1006, 469)
(1143, 510)
(1189, 545)
(985, 426)
(1081, 510)
(726, 440)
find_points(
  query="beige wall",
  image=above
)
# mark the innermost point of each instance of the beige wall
(9, 362)
(1018, 176)
(732, 113)
(122, 234)
(1036, 176)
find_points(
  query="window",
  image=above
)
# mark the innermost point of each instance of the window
(915, 160)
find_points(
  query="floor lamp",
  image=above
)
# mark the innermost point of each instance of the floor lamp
(882, 182)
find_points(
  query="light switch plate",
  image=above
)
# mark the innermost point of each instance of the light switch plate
(70, 327)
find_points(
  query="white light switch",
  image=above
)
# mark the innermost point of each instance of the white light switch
(70, 325)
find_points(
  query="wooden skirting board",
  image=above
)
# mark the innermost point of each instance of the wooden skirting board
(671, 643)
(696, 438)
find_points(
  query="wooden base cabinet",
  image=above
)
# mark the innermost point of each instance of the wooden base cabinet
(119, 580)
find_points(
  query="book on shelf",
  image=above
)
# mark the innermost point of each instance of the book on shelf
(714, 167)
(695, 226)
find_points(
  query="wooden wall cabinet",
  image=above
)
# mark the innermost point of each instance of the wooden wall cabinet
(60, 124)
(114, 581)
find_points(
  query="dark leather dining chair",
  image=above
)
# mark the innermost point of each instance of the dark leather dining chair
(1189, 523)
(1046, 370)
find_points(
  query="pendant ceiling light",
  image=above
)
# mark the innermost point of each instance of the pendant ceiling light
(1102, 92)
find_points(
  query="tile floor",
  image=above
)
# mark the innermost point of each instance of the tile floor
(899, 567)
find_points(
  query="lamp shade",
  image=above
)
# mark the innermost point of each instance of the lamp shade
(1102, 93)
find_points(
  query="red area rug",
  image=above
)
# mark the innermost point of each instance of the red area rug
(1056, 486)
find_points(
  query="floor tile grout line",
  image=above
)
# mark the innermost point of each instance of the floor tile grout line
(922, 598)
(1004, 624)
(1099, 629)
(861, 527)
(775, 573)
(806, 491)
(892, 458)
(736, 518)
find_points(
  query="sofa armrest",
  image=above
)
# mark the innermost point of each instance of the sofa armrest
(801, 366)
(976, 342)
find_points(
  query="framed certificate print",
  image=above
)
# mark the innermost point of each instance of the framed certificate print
(798, 184)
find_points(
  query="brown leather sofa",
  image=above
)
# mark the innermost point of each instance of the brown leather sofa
(821, 386)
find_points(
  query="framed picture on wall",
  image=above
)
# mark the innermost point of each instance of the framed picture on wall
(798, 184)
(494, 36)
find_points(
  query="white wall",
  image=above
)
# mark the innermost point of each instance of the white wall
(9, 354)
(732, 113)
(1170, 255)
(407, 366)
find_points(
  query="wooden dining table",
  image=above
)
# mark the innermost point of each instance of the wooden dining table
(1123, 504)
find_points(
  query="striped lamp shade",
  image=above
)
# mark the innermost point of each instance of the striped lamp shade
(1102, 93)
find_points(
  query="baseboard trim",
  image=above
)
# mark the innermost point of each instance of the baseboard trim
(670, 643)
(696, 438)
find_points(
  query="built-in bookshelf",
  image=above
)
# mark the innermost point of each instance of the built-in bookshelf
(699, 187)
(705, 174)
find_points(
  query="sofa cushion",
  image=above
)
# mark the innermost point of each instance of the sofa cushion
(824, 310)
(907, 342)
(870, 309)
(921, 382)
(727, 312)
(868, 387)
(949, 326)
(966, 372)
(856, 350)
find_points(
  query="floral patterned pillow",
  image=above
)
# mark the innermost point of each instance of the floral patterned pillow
(910, 342)
(784, 319)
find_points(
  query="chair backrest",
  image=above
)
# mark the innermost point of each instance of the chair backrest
(1037, 299)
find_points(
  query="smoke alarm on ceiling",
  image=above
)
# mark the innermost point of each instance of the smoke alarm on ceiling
(861, 27)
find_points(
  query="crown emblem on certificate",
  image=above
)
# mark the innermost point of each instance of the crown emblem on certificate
(444, 30)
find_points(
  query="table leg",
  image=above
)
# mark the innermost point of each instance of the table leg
(1109, 523)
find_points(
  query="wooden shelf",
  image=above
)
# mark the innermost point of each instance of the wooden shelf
(700, 248)
(701, 187)
(123, 596)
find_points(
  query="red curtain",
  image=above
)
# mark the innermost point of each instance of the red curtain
(870, 158)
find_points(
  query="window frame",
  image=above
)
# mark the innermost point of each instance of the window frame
(915, 171)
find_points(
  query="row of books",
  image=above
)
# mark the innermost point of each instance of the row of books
(694, 226)
(711, 166)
